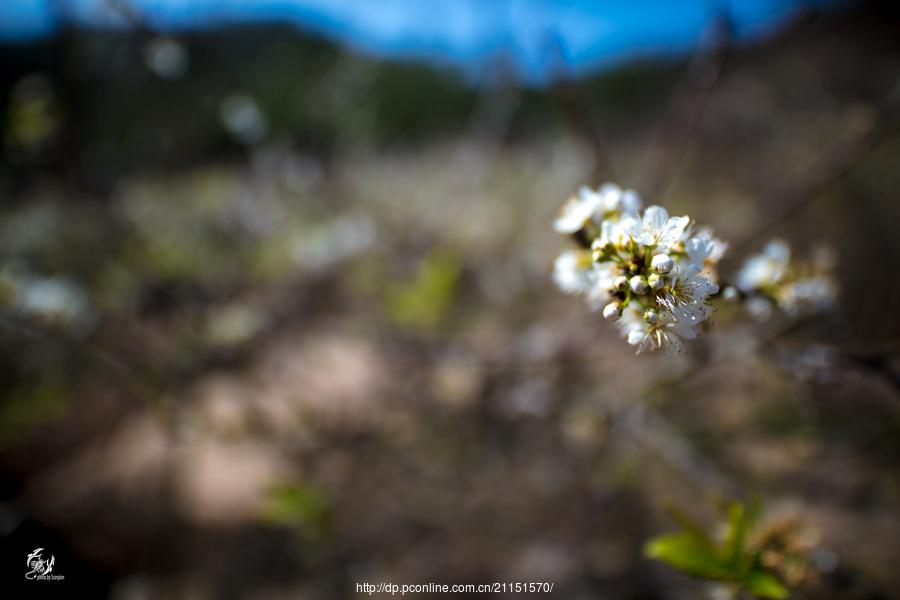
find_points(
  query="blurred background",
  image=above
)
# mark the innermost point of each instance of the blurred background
(276, 306)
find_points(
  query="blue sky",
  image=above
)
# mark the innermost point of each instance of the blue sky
(587, 34)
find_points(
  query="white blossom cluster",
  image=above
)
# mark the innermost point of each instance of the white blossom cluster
(771, 280)
(650, 273)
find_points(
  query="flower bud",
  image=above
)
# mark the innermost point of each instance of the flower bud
(621, 283)
(612, 311)
(662, 263)
(651, 316)
(639, 285)
(656, 281)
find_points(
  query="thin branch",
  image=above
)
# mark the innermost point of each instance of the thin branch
(798, 192)
(575, 109)
(679, 127)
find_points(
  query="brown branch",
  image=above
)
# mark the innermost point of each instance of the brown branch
(575, 109)
(827, 170)
(688, 105)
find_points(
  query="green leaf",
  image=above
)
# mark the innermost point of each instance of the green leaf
(736, 535)
(425, 301)
(687, 553)
(765, 585)
(297, 504)
(693, 552)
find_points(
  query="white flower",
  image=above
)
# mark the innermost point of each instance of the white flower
(590, 205)
(665, 334)
(618, 233)
(698, 251)
(766, 269)
(809, 295)
(578, 211)
(702, 247)
(604, 283)
(687, 300)
(658, 229)
(689, 284)
(632, 325)
(773, 281)
(647, 268)
(573, 271)
(617, 200)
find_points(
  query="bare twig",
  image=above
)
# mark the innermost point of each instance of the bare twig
(832, 166)
(659, 169)
(575, 110)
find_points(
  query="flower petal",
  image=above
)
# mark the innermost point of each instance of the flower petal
(655, 218)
